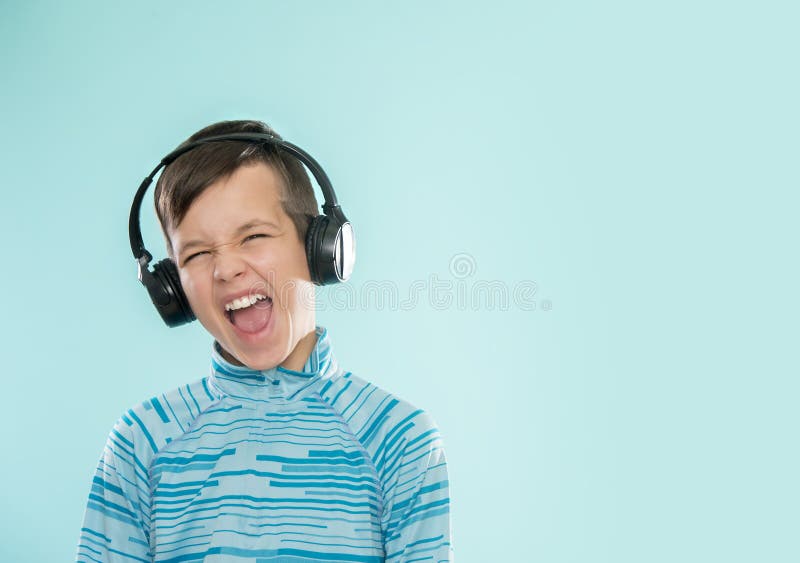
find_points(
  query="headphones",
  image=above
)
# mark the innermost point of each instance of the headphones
(330, 242)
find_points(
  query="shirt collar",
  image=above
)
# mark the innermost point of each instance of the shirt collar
(277, 384)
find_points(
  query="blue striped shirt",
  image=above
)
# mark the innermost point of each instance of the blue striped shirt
(271, 466)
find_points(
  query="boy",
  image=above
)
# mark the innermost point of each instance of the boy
(279, 454)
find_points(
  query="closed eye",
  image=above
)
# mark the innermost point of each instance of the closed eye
(257, 235)
(195, 254)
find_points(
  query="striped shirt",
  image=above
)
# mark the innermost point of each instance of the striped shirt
(271, 466)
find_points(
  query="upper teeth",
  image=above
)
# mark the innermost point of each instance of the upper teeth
(243, 302)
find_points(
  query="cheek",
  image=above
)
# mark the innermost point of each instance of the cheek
(186, 284)
(281, 268)
(291, 293)
(299, 296)
(193, 289)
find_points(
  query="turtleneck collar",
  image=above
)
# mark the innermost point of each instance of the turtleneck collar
(277, 384)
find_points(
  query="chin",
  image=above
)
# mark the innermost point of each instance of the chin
(261, 354)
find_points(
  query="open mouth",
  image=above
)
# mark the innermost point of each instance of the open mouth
(250, 314)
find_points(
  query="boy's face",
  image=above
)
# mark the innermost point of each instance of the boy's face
(237, 241)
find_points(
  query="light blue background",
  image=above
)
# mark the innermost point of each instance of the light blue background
(638, 161)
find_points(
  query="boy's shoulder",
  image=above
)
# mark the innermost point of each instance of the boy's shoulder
(377, 417)
(152, 424)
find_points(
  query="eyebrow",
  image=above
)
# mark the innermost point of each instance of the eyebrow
(242, 228)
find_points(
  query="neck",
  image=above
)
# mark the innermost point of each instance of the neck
(294, 361)
(298, 357)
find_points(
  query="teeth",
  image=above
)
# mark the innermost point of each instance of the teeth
(245, 301)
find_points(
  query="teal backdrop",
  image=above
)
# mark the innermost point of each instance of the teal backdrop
(606, 191)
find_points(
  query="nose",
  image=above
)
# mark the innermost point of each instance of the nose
(228, 266)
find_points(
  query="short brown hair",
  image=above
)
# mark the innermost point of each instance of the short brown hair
(183, 180)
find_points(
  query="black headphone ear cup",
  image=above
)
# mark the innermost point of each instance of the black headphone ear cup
(177, 311)
(316, 229)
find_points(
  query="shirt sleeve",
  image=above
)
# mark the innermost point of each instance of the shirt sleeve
(115, 524)
(418, 503)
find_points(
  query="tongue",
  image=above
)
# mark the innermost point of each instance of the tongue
(252, 318)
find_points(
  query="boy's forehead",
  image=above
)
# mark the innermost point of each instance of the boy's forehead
(243, 223)
(247, 199)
